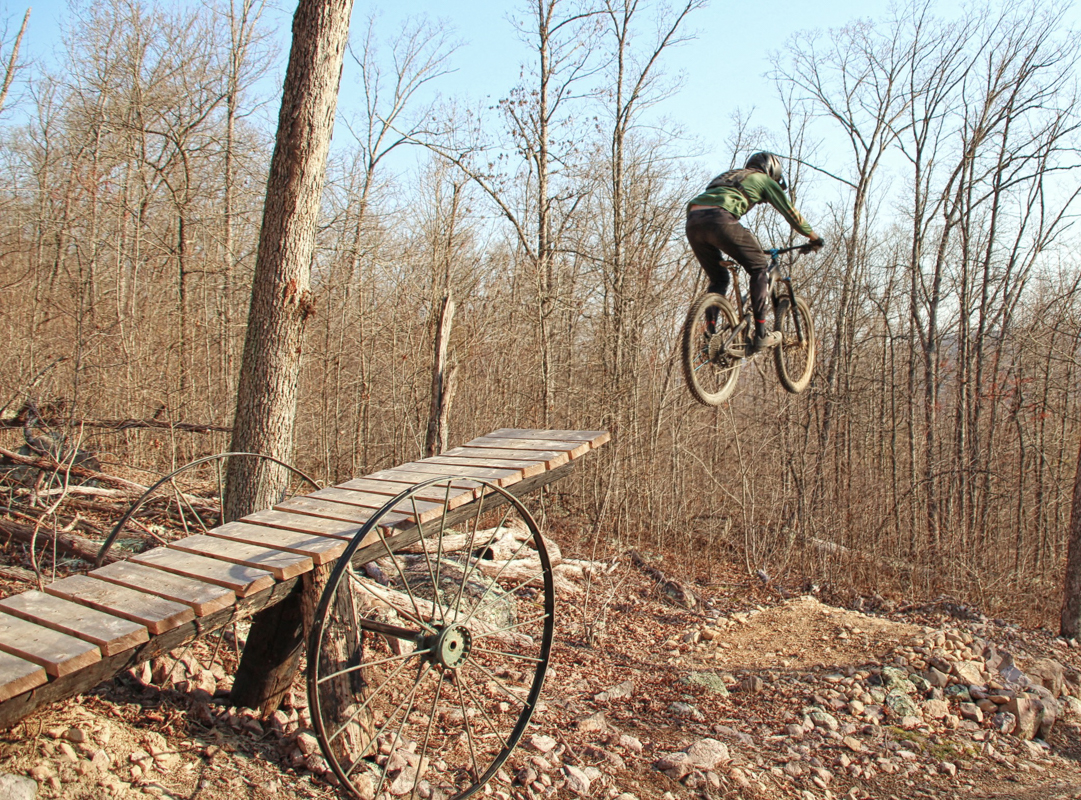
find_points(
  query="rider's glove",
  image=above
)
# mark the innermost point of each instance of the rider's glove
(813, 246)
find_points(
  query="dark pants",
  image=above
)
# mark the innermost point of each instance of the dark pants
(715, 232)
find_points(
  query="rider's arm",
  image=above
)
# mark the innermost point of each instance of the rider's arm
(773, 194)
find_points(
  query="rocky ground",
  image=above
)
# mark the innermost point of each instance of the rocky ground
(747, 694)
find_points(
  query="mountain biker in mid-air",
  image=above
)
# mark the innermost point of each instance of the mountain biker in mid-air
(713, 229)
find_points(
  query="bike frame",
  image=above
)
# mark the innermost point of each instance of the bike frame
(745, 311)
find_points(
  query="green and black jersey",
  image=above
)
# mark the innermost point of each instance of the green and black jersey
(740, 190)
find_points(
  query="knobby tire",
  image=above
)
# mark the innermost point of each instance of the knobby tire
(795, 356)
(710, 369)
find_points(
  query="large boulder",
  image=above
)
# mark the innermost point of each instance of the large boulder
(17, 787)
(707, 753)
(969, 672)
(1048, 673)
(1035, 715)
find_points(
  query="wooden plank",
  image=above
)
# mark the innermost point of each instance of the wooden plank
(427, 509)
(57, 652)
(110, 633)
(528, 468)
(204, 598)
(303, 523)
(413, 476)
(550, 458)
(572, 449)
(85, 679)
(595, 438)
(241, 579)
(156, 613)
(340, 511)
(500, 477)
(17, 675)
(406, 536)
(280, 564)
(461, 492)
(320, 549)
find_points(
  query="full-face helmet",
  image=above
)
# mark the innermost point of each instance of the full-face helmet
(769, 164)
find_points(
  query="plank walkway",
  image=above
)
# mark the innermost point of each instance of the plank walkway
(85, 628)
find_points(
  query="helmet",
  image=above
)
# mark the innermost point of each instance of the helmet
(769, 164)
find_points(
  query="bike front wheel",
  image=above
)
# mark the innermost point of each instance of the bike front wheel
(795, 355)
(711, 349)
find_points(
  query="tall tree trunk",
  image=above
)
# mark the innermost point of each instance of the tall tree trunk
(281, 303)
(13, 61)
(1071, 592)
(442, 382)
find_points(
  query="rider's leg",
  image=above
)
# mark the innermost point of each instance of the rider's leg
(704, 237)
(759, 298)
(744, 248)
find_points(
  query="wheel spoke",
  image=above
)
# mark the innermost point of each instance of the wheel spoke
(498, 682)
(367, 702)
(494, 580)
(405, 722)
(439, 541)
(428, 732)
(380, 662)
(428, 562)
(405, 583)
(518, 656)
(390, 719)
(483, 713)
(468, 729)
(497, 631)
(417, 619)
(471, 563)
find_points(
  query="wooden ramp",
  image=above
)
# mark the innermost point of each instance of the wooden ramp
(85, 629)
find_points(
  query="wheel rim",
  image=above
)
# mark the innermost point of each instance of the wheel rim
(795, 351)
(423, 674)
(713, 358)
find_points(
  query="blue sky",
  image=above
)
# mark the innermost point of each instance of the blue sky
(722, 68)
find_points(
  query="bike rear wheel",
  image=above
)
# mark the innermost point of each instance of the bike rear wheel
(795, 356)
(711, 349)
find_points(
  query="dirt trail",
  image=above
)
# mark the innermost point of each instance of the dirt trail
(786, 698)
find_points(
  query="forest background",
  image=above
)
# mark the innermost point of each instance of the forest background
(935, 451)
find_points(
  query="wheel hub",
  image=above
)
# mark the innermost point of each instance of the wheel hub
(452, 646)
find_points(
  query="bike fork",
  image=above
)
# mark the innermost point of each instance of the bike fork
(789, 296)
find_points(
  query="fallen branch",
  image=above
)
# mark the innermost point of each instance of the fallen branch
(451, 543)
(52, 465)
(403, 604)
(86, 491)
(522, 570)
(66, 543)
(117, 424)
(17, 574)
(676, 591)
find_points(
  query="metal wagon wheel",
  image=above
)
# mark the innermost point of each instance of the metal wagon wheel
(185, 502)
(425, 665)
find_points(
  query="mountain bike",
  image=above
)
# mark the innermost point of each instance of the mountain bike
(717, 336)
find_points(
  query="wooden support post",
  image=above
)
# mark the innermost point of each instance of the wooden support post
(341, 697)
(271, 654)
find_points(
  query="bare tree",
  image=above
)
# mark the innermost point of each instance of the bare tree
(11, 68)
(281, 305)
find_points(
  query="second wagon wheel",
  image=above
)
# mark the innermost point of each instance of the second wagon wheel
(430, 643)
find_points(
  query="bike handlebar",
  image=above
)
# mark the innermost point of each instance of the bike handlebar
(776, 251)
